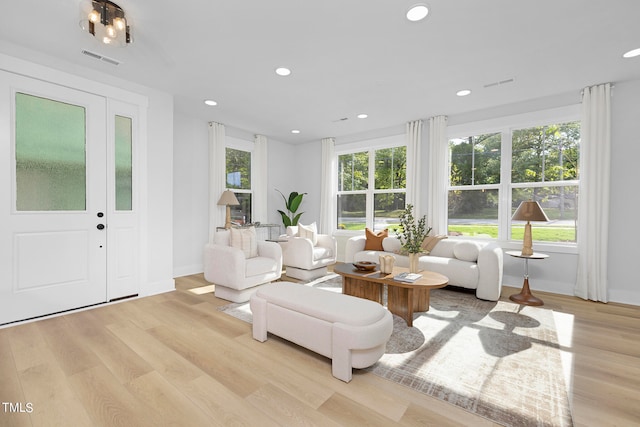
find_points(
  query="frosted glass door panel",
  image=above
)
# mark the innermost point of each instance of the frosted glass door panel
(124, 173)
(51, 165)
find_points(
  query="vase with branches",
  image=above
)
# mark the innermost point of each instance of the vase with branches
(411, 235)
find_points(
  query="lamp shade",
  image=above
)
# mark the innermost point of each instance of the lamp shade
(529, 211)
(228, 198)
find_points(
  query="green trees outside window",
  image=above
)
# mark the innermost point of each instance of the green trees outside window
(543, 166)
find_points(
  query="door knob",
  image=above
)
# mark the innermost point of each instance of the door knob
(100, 214)
(100, 226)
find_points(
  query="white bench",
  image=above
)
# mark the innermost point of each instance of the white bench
(351, 331)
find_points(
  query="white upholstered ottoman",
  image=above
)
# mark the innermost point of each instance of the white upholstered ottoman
(351, 331)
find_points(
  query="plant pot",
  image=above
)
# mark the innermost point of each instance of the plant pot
(413, 262)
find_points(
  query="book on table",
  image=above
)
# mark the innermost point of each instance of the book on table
(407, 277)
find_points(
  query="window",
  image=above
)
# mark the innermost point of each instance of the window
(238, 175)
(492, 173)
(371, 188)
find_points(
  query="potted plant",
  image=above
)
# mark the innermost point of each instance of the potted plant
(292, 203)
(411, 235)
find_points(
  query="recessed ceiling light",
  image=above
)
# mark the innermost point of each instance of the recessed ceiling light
(417, 12)
(632, 53)
(282, 71)
(295, 131)
(463, 92)
(363, 116)
(210, 102)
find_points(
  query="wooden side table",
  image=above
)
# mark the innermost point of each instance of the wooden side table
(525, 297)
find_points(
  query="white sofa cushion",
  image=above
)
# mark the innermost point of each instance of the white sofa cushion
(259, 265)
(391, 245)
(466, 251)
(320, 252)
(460, 273)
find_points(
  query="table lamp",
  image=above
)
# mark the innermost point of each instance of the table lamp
(229, 199)
(529, 211)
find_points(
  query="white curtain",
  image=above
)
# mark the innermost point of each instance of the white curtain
(217, 178)
(328, 210)
(438, 175)
(414, 137)
(259, 179)
(593, 203)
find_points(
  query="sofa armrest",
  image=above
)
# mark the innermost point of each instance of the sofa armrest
(354, 245)
(223, 265)
(490, 272)
(271, 250)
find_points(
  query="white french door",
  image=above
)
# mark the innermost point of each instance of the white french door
(53, 198)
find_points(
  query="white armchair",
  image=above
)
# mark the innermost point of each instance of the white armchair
(235, 276)
(302, 259)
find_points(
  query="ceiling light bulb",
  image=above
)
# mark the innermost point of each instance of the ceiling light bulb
(111, 32)
(106, 40)
(295, 131)
(120, 24)
(94, 16)
(632, 53)
(210, 102)
(362, 116)
(282, 71)
(417, 12)
(463, 92)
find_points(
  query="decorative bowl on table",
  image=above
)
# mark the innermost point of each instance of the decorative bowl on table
(365, 265)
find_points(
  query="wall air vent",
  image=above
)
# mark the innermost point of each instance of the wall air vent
(100, 57)
(500, 83)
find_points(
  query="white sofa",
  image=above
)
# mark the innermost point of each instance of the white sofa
(235, 276)
(305, 260)
(351, 331)
(467, 263)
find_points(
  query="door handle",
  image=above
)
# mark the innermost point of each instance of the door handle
(100, 226)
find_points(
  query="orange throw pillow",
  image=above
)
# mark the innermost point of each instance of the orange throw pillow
(374, 240)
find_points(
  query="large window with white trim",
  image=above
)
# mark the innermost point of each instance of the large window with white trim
(238, 176)
(371, 187)
(491, 173)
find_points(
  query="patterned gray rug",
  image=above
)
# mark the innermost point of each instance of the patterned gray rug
(498, 360)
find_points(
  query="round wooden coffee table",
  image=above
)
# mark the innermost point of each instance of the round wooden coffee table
(403, 299)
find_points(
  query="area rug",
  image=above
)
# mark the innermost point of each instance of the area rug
(498, 360)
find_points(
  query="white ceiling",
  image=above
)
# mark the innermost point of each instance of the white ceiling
(347, 56)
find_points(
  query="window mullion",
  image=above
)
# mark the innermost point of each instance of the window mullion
(504, 213)
(370, 189)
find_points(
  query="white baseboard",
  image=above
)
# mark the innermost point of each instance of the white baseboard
(188, 270)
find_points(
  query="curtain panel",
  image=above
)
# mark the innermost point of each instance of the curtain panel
(414, 138)
(438, 175)
(217, 178)
(593, 203)
(328, 188)
(259, 179)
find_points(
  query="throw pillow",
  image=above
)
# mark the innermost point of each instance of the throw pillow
(430, 242)
(246, 240)
(309, 232)
(466, 251)
(374, 240)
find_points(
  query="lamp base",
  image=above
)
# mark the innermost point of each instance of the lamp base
(525, 297)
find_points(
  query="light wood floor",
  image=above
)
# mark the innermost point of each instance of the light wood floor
(173, 359)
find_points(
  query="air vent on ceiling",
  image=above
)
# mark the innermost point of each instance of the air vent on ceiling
(100, 57)
(500, 83)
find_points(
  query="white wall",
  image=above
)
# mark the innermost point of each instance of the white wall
(624, 254)
(191, 193)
